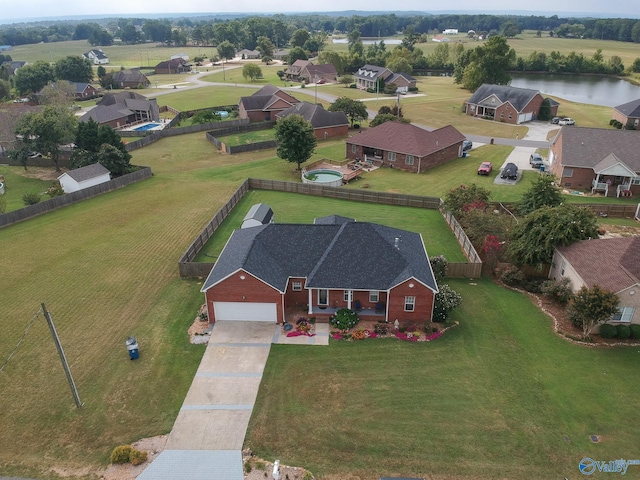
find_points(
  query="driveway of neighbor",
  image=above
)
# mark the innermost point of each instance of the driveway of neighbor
(206, 440)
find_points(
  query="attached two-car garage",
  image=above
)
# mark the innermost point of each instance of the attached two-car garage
(246, 311)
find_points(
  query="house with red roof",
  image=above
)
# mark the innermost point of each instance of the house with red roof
(611, 263)
(597, 159)
(256, 279)
(405, 146)
(325, 124)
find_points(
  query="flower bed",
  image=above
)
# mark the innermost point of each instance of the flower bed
(382, 332)
(304, 327)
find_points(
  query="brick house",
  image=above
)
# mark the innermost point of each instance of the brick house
(611, 263)
(304, 70)
(325, 124)
(628, 114)
(597, 159)
(405, 146)
(336, 262)
(175, 65)
(265, 104)
(368, 76)
(122, 108)
(133, 78)
(506, 104)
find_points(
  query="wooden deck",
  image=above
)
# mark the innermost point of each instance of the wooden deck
(349, 170)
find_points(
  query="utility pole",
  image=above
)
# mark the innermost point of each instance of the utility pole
(63, 358)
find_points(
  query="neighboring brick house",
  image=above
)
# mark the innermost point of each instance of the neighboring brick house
(84, 91)
(96, 56)
(248, 54)
(12, 66)
(611, 263)
(325, 124)
(405, 146)
(597, 159)
(628, 114)
(175, 65)
(133, 78)
(265, 104)
(403, 81)
(122, 108)
(506, 104)
(265, 271)
(304, 70)
(367, 76)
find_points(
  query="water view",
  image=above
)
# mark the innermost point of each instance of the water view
(371, 41)
(594, 90)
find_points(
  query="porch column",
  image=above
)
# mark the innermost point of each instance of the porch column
(593, 189)
(310, 300)
(349, 298)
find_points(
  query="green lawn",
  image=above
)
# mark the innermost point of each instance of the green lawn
(500, 396)
(249, 137)
(438, 238)
(17, 183)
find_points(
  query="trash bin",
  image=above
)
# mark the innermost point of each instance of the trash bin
(132, 347)
(542, 168)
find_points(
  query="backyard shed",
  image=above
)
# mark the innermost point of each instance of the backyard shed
(258, 214)
(84, 177)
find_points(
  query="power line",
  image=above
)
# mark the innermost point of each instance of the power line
(15, 349)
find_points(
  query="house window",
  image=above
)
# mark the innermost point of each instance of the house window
(501, 114)
(409, 160)
(354, 148)
(625, 314)
(472, 108)
(296, 286)
(347, 295)
(374, 295)
(635, 181)
(323, 296)
(510, 117)
(409, 304)
(391, 156)
(563, 267)
(567, 172)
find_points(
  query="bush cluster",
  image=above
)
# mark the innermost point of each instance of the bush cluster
(344, 319)
(30, 198)
(620, 331)
(558, 291)
(126, 454)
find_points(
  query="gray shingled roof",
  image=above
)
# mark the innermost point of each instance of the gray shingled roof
(265, 97)
(587, 147)
(395, 76)
(316, 115)
(86, 173)
(612, 263)
(407, 139)
(370, 72)
(518, 97)
(106, 113)
(342, 255)
(630, 109)
(96, 53)
(332, 220)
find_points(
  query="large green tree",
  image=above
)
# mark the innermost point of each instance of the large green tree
(5, 89)
(47, 131)
(295, 138)
(226, 50)
(535, 236)
(541, 193)
(489, 63)
(74, 69)
(592, 306)
(91, 140)
(251, 71)
(297, 53)
(465, 197)
(59, 93)
(299, 37)
(354, 109)
(32, 78)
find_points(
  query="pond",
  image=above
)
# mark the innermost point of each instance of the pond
(591, 89)
(371, 41)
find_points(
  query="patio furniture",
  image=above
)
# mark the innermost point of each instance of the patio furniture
(357, 306)
(379, 307)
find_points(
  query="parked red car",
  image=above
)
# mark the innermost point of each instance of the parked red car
(485, 168)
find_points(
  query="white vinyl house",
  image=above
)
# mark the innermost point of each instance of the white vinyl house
(84, 177)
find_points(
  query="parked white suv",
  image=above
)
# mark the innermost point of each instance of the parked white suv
(567, 121)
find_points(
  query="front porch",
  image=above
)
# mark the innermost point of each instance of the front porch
(322, 314)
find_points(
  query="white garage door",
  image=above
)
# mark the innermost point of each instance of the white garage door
(252, 312)
(525, 117)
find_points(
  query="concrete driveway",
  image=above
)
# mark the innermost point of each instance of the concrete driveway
(206, 439)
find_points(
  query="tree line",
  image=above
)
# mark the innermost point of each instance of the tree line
(243, 32)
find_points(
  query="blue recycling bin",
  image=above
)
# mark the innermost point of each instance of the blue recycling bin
(132, 348)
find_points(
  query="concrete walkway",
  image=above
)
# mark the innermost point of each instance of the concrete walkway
(207, 437)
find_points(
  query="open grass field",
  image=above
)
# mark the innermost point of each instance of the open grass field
(249, 137)
(500, 396)
(17, 183)
(438, 238)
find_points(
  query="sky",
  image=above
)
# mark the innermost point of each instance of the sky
(11, 10)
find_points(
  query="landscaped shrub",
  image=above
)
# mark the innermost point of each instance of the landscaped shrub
(608, 331)
(439, 267)
(30, 198)
(137, 457)
(558, 291)
(513, 276)
(623, 331)
(55, 190)
(445, 301)
(635, 331)
(344, 319)
(121, 454)
(382, 328)
(611, 122)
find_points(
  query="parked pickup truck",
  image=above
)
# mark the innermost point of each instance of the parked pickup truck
(485, 168)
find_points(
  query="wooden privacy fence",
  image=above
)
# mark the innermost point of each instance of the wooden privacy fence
(186, 264)
(71, 198)
(615, 210)
(188, 268)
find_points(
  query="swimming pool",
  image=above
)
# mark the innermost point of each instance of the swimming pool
(147, 126)
(325, 177)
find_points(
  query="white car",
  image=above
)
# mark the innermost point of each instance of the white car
(567, 121)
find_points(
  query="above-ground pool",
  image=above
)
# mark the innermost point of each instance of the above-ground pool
(325, 177)
(147, 126)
